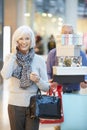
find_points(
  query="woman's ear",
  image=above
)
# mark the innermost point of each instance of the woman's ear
(16, 44)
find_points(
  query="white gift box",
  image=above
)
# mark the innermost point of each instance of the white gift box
(69, 70)
(67, 50)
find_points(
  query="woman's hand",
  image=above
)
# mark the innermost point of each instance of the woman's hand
(34, 77)
(83, 84)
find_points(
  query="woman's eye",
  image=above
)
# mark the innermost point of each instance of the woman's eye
(27, 38)
(21, 38)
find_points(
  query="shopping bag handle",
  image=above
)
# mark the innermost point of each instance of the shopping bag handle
(39, 92)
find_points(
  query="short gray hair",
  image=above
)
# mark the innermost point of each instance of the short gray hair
(19, 32)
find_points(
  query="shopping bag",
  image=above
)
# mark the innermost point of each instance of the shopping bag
(45, 106)
(58, 92)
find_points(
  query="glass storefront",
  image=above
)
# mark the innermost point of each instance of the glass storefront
(45, 15)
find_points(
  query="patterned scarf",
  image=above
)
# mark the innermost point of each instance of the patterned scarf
(24, 68)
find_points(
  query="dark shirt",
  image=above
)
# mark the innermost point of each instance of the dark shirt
(51, 45)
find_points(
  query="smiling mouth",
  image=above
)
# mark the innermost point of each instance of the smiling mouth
(24, 46)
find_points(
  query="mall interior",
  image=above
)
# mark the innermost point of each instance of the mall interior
(45, 17)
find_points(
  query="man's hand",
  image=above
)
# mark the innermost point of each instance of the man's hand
(50, 80)
(83, 84)
(53, 85)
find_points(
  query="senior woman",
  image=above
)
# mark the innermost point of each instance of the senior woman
(26, 72)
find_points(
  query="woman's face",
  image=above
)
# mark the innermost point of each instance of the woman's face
(24, 43)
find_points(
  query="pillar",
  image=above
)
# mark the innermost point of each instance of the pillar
(71, 12)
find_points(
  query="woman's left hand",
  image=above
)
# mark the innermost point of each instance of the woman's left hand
(34, 77)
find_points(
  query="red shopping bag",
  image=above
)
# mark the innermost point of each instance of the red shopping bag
(58, 92)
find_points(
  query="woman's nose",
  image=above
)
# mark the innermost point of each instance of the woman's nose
(24, 40)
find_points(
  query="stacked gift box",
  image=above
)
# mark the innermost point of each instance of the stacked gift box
(69, 67)
(70, 39)
(68, 50)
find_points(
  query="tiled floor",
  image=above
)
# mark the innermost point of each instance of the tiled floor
(74, 105)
